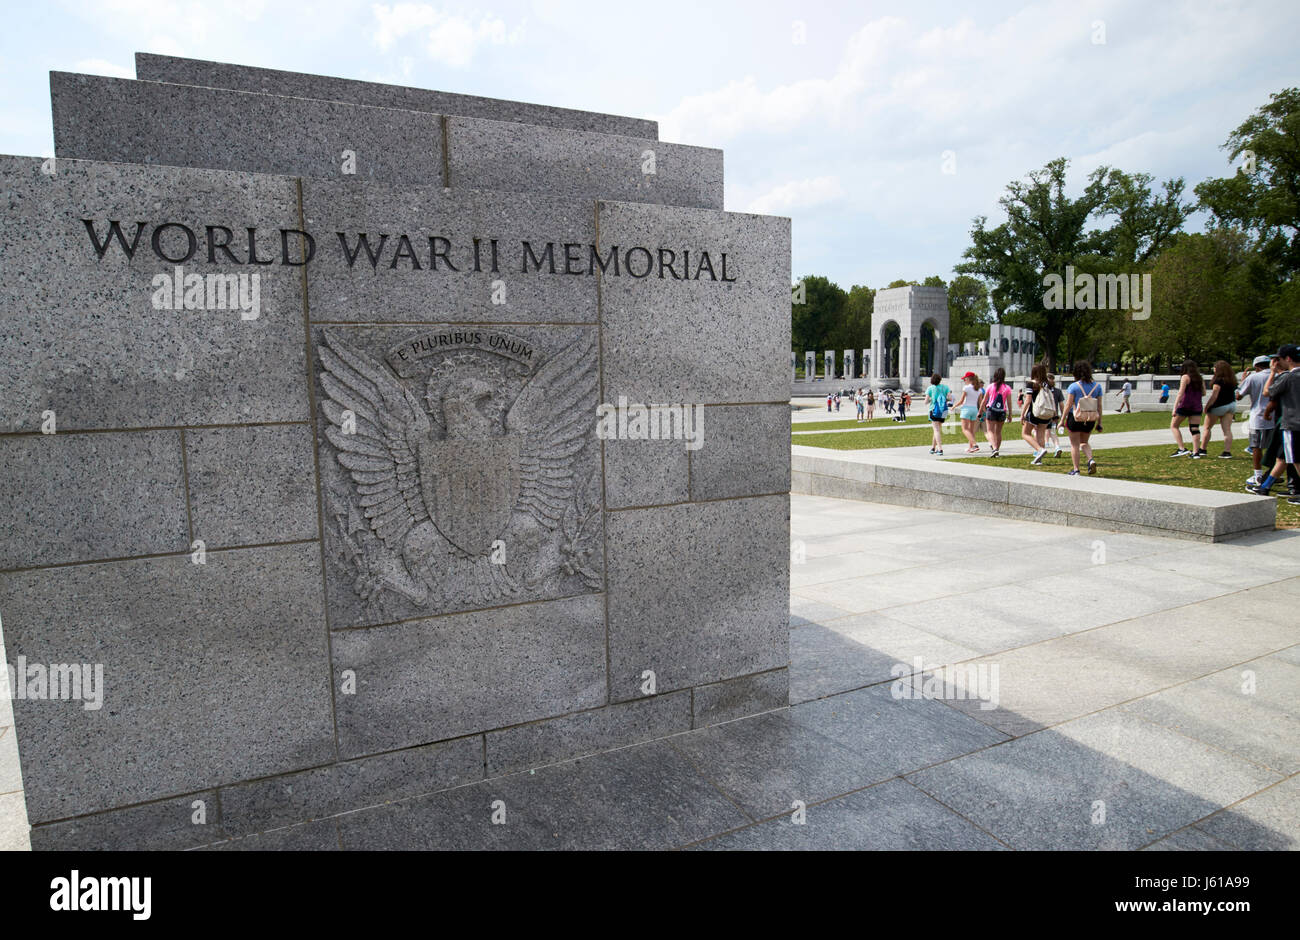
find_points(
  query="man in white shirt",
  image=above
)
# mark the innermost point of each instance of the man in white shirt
(1260, 428)
(1124, 394)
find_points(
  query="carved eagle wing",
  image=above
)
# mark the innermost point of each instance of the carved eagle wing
(381, 452)
(551, 414)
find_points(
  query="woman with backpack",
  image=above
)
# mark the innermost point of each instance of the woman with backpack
(997, 406)
(1037, 412)
(1221, 407)
(1187, 407)
(968, 408)
(937, 396)
(1082, 414)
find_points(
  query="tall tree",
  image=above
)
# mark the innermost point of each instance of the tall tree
(968, 310)
(814, 322)
(1263, 195)
(1047, 230)
(1203, 299)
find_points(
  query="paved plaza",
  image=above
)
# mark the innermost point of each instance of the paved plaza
(1148, 696)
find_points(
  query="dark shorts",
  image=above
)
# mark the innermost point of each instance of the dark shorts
(1033, 419)
(995, 419)
(1187, 413)
(1086, 427)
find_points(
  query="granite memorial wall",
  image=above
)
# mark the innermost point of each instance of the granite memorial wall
(363, 441)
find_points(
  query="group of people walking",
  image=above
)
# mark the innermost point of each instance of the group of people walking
(1274, 428)
(1044, 411)
(1216, 405)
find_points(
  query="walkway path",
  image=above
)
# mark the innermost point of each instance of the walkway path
(1143, 693)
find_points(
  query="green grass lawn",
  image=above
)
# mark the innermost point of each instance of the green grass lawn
(917, 431)
(1154, 465)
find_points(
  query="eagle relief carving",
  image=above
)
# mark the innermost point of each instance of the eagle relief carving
(469, 473)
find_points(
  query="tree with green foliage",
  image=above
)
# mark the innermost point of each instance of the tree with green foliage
(814, 322)
(1203, 299)
(968, 310)
(1047, 230)
(1263, 195)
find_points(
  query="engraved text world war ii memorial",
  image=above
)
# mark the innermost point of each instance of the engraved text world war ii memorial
(360, 442)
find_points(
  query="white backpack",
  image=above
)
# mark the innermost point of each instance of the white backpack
(1088, 408)
(1044, 404)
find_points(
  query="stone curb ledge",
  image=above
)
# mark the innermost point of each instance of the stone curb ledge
(1091, 502)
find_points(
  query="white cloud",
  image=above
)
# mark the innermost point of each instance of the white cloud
(797, 194)
(104, 67)
(450, 39)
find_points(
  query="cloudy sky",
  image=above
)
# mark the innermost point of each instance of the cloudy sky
(880, 128)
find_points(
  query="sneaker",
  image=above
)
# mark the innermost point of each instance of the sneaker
(1198, 455)
(1250, 451)
(931, 451)
(1257, 489)
(939, 452)
(995, 454)
(1181, 452)
(1293, 500)
(1225, 456)
(1073, 473)
(1092, 467)
(1038, 457)
(1057, 453)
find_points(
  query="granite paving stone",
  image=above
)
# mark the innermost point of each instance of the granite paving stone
(11, 778)
(168, 825)
(13, 824)
(804, 611)
(1251, 710)
(318, 836)
(1041, 791)
(908, 733)
(1190, 839)
(550, 741)
(644, 797)
(766, 762)
(1267, 821)
(275, 802)
(891, 816)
